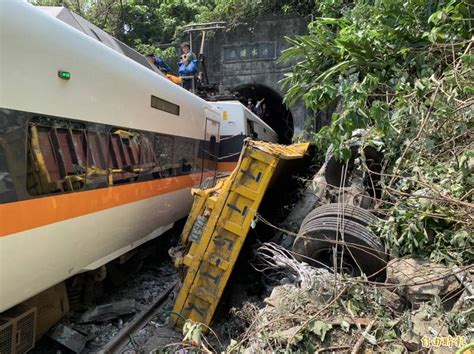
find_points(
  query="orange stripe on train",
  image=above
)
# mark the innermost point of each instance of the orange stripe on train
(28, 214)
(226, 166)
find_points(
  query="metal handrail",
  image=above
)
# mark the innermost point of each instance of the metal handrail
(204, 26)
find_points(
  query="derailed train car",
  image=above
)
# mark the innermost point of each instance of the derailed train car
(97, 153)
(238, 123)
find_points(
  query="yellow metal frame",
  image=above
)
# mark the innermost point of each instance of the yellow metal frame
(39, 163)
(218, 225)
(43, 179)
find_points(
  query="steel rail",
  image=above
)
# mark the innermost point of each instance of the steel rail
(123, 336)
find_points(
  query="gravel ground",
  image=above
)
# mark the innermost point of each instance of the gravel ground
(145, 286)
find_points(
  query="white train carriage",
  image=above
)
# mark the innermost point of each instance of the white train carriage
(238, 123)
(97, 152)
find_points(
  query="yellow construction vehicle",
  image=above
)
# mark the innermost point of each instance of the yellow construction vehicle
(218, 225)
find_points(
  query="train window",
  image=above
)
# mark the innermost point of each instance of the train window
(212, 147)
(57, 156)
(164, 105)
(147, 155)
(250, 127)
(184, 155)
(64, 155)
(213, 152)
(124, 155)
(210, 156)
(199, 154)
(163, 148)
(97, 171)
(98, 150)
(7, 184)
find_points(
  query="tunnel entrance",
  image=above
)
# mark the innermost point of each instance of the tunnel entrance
(272, 109)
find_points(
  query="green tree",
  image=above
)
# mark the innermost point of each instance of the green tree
(151, 25)
(146, 25)
(371, 55)
(78, 6)
(402, 70)
(236, 12)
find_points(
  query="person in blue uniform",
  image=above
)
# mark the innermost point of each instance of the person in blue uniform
(188, 65)
(158, 62)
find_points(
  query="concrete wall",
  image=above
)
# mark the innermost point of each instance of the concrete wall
(247, 55)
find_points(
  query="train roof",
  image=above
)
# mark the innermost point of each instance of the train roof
(88, 28)
(104, 85)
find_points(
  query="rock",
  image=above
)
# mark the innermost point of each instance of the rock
(108, 311)
(254, 348)
(419, 280)
(464, 302)
(470, 164)
(287, 334)
(69, 338)
(395, 348)
(277, 295)
(392, 300)
(425, 324)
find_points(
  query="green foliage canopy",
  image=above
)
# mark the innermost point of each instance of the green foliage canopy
(146, 25)
(151, 25)
(402, 70)
(376, 52)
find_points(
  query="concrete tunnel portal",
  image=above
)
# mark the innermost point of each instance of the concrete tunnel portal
(275, 113)
(244, 60)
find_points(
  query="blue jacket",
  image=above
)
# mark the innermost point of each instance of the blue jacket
(188, 70)
(161, 65)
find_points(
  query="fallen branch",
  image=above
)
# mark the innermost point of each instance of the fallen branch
(357, 346)
(463, 279)
(312, 318)
(333, 349)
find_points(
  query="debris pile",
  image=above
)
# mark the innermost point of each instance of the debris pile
(359, 276)
(399, 146)
(317, 310)
(421, 281)
(86, 332)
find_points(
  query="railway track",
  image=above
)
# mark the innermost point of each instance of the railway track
(122, 338)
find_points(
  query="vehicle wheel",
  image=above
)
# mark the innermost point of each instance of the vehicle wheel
(350, 212)
(362, 253)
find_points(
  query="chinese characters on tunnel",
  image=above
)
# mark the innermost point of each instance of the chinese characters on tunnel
(248, 52)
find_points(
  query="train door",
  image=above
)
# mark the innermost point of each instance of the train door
(210, 151)
(251, 132)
